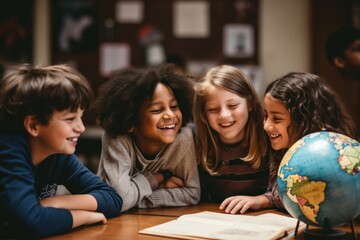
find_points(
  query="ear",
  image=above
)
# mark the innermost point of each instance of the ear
(31, 125)
(339, 62)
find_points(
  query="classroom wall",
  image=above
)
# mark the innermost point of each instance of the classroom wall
(41, 32)
(284, 36)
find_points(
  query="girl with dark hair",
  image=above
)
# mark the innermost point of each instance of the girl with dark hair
(295, 105)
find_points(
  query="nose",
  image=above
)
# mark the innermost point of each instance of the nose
(79, 126)
(267, 125)
(224, 113)
(168, 114)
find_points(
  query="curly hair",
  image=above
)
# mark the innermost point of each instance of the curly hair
(29, 90)
(121, 97)
(312, 104)
(233, 80)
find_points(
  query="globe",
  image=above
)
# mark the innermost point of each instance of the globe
(319, 180)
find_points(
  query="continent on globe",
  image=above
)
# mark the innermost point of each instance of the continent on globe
(308, 194)
(318, 179)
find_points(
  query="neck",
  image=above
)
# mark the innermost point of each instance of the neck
(37, 155)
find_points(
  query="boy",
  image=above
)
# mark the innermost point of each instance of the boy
(40, 123)
(343, 52)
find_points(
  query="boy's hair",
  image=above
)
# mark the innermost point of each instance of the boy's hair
(339, 41)
(233, 80)
(121, 97)
(312, 104)
(38, 91)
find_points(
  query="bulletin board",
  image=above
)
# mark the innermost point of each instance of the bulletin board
(118, 33)
(16, 31)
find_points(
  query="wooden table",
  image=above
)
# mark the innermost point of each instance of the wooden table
(127, 225)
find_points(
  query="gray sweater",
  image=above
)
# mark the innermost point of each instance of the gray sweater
(123, 166)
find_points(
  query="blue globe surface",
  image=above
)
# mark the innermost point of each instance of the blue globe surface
(319, 180)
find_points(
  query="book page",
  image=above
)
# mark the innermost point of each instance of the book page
(212, 225)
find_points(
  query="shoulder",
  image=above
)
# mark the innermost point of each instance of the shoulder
(185, 135)
(123, 139)
(13, 141)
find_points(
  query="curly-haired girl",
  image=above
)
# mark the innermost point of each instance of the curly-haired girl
(148, 154)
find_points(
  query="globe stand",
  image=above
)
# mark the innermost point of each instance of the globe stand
(326, 232)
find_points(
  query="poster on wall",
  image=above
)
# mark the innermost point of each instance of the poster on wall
(75, 26)
(113, 56)
(129, 11)
(238, 41)
(16, 32)
(191, 19)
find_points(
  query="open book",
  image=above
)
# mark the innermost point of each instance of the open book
(211, 225)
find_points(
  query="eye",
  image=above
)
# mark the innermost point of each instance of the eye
(277, 119)
(211, 110)
(155, 111)
(69, 119)
(232, 106)
(174, 107)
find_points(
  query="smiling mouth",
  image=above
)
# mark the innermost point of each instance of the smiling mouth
(165, 127)
(72, 139)
(273, 136)
(228, 124)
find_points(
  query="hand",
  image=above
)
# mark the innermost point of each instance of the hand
(241, 204)
(81, 217)
(96, 217)
(172, 182)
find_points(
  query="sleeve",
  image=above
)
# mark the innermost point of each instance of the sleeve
(116, 168)
(80, 180)
(182, 162)
(18, 198)
(272, 193)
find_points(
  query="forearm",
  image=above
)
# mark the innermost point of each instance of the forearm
(71, 202)
(263, 201)
(182, 196)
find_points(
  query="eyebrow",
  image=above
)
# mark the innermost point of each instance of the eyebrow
(274, 112)
(159, 102)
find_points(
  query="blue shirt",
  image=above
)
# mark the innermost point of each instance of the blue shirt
(22, 185)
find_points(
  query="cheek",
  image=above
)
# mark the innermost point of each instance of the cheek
(211, 118)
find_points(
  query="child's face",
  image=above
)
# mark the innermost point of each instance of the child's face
(60, 135)
(160, 120)
(227, 114)
(352, 59)
(276, 122)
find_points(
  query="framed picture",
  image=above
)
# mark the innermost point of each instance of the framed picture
(16, 31)
(238, 41)
(113, 56)
(75, 26)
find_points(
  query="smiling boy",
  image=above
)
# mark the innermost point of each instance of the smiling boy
(40, 123)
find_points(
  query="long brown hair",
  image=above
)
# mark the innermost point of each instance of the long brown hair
(233, 80)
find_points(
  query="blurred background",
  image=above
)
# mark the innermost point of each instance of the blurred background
(265, 38)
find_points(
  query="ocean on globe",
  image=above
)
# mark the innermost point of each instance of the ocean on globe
(319, 180)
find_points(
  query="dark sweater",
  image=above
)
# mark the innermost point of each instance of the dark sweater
(235, 177)
(22, 186)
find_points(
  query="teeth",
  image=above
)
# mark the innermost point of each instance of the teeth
(274, 135)
(226, 124)
(168, 126)
(72, 139)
